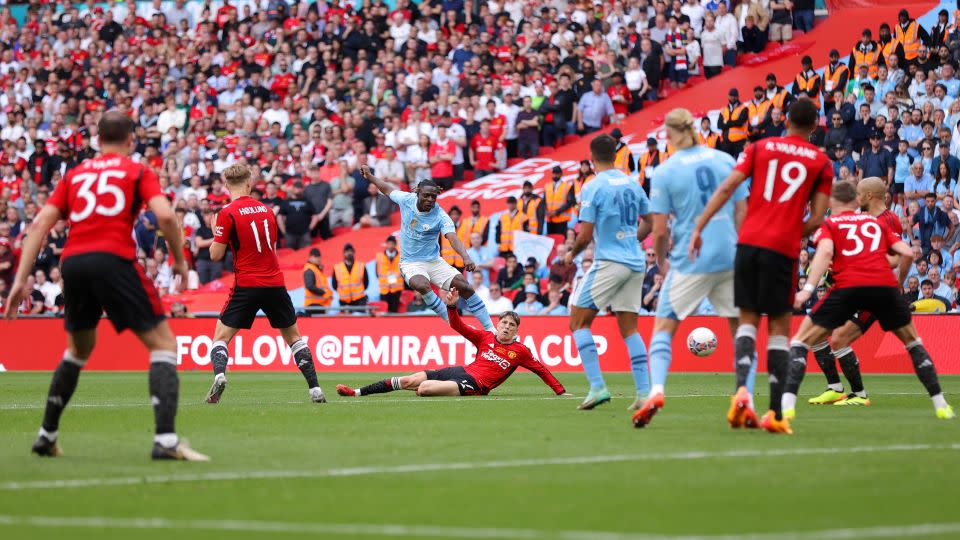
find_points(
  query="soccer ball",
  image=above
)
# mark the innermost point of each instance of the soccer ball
(702, 342)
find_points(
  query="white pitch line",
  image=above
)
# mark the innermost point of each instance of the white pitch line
(404, 531)
(454, 466)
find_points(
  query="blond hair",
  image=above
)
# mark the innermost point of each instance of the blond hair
(682, 121)
(236, 174)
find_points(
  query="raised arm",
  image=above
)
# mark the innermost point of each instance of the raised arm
(468, 263)
(385, 187)
(472, 334)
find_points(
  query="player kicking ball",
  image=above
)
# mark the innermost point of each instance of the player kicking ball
(857, 245)
(499, 354)
(681, 187)
(788, 173)
(422, 221)
(870, 193)
(249, 228)
(102, 198)
(612, 208)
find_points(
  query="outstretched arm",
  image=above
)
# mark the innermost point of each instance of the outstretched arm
(42, 224)
(541, 370)
(458, 246)
(385, 187)
(472, 334)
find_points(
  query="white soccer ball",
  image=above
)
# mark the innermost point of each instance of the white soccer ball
(702, 342)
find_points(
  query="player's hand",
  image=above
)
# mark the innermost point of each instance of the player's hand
(180, 270)
(16, 295)
(801, 299)
(451, 298)
(695, 244)
(469, 265)
(365, 172)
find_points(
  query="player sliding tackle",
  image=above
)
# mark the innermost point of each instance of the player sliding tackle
(681, 187)
(499, 354)
(422, 221)
(249, 228)
(858, 245)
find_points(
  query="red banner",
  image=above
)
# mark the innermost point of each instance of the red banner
(407, 344)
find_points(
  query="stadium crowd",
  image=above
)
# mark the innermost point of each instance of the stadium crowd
(307, 92)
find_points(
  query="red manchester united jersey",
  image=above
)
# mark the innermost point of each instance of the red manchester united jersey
(892, 221)
(250, 229)
(786, 172)
(496, 361)
(102, 198)
(861, 243)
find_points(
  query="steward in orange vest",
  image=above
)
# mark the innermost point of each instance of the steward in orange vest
(623, 159)
(511, 219)
(778, 95)
(648, 163)
(447, 252)
(560, 199)
(706, 135)
(316, 292)
(757, 111)
(532, 206)
(584, 176)
(350, 279)
(388, 274)
(835, 77)
(474, 224)
(888, 45)
(910, 34)
(865, 53)
(808, 82)
(733, 125)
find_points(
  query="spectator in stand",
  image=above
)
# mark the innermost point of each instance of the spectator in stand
(560, 268)
(497, 304)
(592, 108)
(8, 262)
(836, 135)
(712, 41)
(510, 276)
(876, 161)
(296, 218)
(441, 156)
(377, 208)
(388, 274)
(528, 130)
(931, 221)
(752, 39)
(918, 185)
(530, 304)
(207, 269)
(781, 21)
(317, 294)
(759, 17)
(320, 196)
(350, 279)
(842, 159)
(484, 150)
(636, 82)
(775, 126)
(730, 30)
(341, 212)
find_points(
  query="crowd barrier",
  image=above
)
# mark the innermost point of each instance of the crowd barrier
(405, 344)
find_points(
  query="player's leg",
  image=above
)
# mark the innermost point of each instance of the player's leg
(778, 359)
(62, 385)
(304, 359)
(599, 285)
(660, 355)
(474, 304)
(807, 335)
(825, 358)
(924, 368)
(408, 382)
(636, 350)
(165, 393)
(842, 339)
(421, 284)
(438, 388)
(222, 335)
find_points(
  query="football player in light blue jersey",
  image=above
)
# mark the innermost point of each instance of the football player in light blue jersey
(422, 221)
(613, 215)
(681, 187)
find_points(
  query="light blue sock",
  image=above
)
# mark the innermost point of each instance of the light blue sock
(752, 376)
(475, 305)
(660, 357)
(589, 357)
(638, 363)
(432, 300)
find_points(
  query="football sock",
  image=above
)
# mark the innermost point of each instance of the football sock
(752, 377)
(381, 387)
(660, 356)
(433, 302)
(219, 358)
(301, 353)
(62, 385)
(923, 366)
(795, 373)
(164, 393)
(828, 365)
(476, 306)
(638, 363)
(851, 370)
(589, 357)
(745, 348)
(778, 363)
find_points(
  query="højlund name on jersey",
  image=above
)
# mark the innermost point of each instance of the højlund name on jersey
(247, 210)
(792, 149)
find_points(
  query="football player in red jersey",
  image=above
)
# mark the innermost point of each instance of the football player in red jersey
(102, 198)
(871, 194)
(858, 246)
(249, 228)
(788, 173)
(498, 356)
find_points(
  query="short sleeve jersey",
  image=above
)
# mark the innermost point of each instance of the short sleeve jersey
(786, 172)
(420, 231)
(102, 198)
(250, 229)
(681, 187)
(861, 243)
(614, 202)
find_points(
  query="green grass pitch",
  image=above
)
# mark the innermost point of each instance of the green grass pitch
(519, 464)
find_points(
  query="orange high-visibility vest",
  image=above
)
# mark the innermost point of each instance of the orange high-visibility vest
(472, 225)
(449, 254)
(831, 79)
(556, 193)
(779, 98)
(508, 224)
(313, 299)
(648, 160)
(622, 160)
(868, 58)
(807, 85)
(388, 273)
(710, 140)
(530, 209)
(889, 48)
(910, 39)
(577, 188)
(734, 134)
(349, 283)
(757, 111)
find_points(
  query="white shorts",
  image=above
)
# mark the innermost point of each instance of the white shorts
(610, 284)
(682, 294)
(438, 272)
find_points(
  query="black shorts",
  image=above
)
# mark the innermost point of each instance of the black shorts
(244, 303)
(885, 304)
(764, 281)
(864, 320)
(94, 283)
(468, 385)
